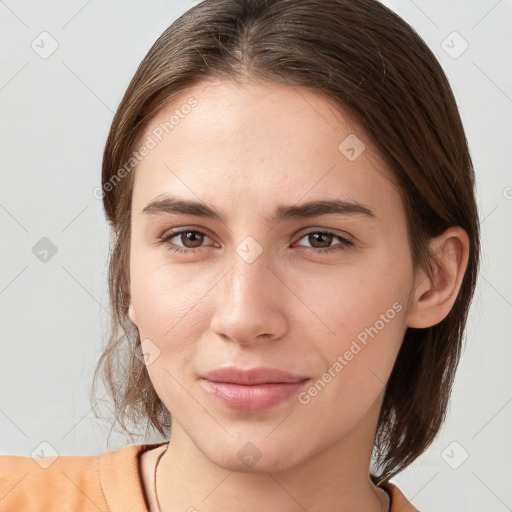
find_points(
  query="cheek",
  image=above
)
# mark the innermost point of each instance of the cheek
(348, 300)
(167, 301)
(367, 317)
(363, 315)
(171, 315)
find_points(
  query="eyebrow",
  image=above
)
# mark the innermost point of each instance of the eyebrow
(174, 205)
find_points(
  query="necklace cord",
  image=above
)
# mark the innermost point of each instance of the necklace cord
(163, 453)
(156, 486)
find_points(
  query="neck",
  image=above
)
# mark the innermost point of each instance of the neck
(337, 478)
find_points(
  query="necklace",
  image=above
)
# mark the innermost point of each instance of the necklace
(156, 486)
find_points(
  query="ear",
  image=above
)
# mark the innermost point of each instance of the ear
(433, 298)
(132, 315)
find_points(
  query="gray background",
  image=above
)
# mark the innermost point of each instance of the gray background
(55, 114)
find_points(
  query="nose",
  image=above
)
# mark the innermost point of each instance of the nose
(250, 302)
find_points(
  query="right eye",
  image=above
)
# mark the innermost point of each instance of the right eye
(191, 236)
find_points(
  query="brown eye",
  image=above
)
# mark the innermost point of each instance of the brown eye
(320, 242)
(194, 238)
(190, 239)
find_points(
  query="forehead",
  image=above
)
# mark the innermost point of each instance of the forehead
(260, 142)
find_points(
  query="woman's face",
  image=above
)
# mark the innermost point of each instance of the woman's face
(284, 293)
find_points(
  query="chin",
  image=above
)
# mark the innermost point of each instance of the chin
(259, 456)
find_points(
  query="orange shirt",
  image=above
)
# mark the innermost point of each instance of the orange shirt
(110, 481)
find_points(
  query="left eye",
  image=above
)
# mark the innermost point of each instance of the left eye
(196, 238)
(325, 237)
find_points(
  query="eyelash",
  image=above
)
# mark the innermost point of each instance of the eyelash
(166, 237)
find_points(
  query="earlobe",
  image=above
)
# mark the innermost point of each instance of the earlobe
(434, 298)
(132, 315)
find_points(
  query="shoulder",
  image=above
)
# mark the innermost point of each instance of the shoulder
(109, 481)
(399, 503)
(41, 482)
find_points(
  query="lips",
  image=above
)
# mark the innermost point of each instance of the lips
(252, 390)
(252, 376)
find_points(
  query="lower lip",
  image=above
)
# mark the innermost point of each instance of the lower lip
(252, 398)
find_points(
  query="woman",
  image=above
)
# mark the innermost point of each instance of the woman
(296, 245)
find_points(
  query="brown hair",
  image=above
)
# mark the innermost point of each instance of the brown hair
(378, 69)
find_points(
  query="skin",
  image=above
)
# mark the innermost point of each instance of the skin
(244, 150)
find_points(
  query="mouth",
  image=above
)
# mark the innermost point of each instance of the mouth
(254, 389)
(251, 376)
